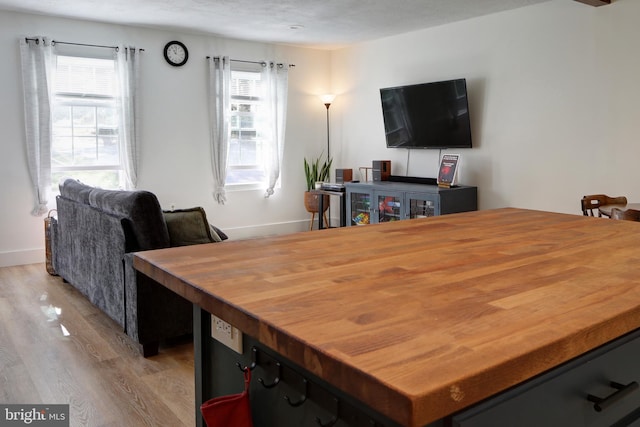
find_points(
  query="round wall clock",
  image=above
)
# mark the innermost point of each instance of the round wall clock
(176, 53)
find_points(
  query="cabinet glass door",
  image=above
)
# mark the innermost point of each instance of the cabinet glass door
(360, 208)
(389, 207)
(421, 205)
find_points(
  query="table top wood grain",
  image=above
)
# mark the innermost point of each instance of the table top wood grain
(421, 318)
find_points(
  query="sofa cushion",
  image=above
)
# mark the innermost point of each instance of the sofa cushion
(189, 227)
(141, 214)
(75, 190)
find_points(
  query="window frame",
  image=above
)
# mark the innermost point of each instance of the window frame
(259, 100)
(93, 101)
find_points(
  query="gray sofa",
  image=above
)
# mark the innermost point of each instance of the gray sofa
(92, 241)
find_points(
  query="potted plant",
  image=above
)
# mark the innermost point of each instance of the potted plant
(315, 172)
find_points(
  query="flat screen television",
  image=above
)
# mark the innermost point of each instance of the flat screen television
(427, 115)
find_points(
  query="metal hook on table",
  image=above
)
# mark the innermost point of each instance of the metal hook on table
(302, 399)
(333, 419)
(254, 363)
(276, 380)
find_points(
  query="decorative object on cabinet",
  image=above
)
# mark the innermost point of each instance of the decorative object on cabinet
(381, 170)
(448, 170)
(344, 175)
(365, 172)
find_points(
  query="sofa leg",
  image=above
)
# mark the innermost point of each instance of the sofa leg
(149, 349)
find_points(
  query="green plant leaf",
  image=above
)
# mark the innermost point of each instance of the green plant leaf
(314, 171)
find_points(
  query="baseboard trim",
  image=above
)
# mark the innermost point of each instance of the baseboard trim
(266, 230)
(30, 256)
(34, 256)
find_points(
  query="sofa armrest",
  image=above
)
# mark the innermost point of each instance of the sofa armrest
(153, 312)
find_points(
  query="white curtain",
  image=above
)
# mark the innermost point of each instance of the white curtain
(128, 67)
(37, 69)
(219, 85)
(275, 83)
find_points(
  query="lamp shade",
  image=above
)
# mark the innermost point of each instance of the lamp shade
(328, 98)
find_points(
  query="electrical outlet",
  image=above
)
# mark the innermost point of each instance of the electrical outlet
(226, 334)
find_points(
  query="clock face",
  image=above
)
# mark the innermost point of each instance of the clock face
(176, 53)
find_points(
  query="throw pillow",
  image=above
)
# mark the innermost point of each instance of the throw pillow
(218, 232)
(189, 227)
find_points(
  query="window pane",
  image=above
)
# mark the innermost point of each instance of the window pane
(108, 136)
(99, 178)
(246, 121)
(85, 122)
(89, 76)
(245, 176)
(84, 116)
(245, 83)
(107, 116)
(245, 161)
(62, 150)
(243, 153)
(61, 116)
(247, 135)
(108, 126)
(84, 142)
(85, 151)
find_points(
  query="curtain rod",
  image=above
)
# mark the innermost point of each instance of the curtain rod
(78, 44)
(263, 63)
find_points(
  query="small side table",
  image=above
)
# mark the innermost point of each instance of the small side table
(343, 210)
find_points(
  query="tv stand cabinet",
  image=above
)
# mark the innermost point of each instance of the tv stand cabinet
(385, 201)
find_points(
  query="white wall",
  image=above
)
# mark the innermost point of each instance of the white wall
(554, 92)
(554, 100)
(175, 156)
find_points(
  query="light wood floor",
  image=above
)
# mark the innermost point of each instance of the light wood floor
(55, 347)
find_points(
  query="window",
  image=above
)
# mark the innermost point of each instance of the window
(85, 135)
(248, 110)
(246, 158)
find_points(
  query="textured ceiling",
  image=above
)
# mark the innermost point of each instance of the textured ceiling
(315, 23)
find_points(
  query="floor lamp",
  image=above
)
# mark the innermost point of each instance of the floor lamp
(327, 100)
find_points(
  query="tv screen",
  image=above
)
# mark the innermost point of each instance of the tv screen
(428, 115)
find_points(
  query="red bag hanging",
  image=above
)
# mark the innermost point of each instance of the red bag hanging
(229, 411)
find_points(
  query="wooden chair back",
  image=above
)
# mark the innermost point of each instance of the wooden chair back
(592, 202)
(627, 214)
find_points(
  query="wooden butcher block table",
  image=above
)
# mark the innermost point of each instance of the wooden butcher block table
(422, 318)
